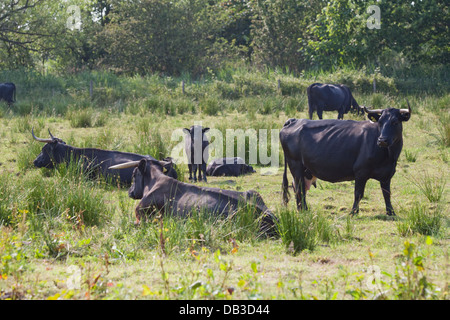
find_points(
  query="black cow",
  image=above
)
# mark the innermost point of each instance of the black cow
(196, 147)
(229, 167)
(162, 194)
(95, 161)
(330, 97)
(8, 92)
(336, 150)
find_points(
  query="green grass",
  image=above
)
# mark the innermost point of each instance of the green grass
(57, 223)
(422, 219)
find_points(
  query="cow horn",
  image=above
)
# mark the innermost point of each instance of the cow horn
(379, 111)
(50, 134)
(40, 139)
(406, 110)
(126, 165)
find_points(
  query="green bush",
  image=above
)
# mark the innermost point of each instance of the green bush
(211, 106)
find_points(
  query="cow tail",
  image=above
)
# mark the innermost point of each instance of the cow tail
(285, 185)
(308, 93)
(14, 93)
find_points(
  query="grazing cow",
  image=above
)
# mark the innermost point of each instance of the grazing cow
(8, 92)
(96, 161)
(229, 167)
(336, 150)
(160, 193)
(330, 97)
(196, 147)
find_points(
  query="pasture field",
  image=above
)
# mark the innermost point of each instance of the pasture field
(64, 236)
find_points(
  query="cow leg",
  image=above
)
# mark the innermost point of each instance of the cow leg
(190, 171)
(311, 111)
(319, 112)
(386, 189)
(199, 172)
(297, 171)
(203, 169)
(194, 168)
(360, 185)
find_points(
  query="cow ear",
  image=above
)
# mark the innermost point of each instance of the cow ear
(186, 130)
(205, 130)
(405, 116)
(373, 116)
(142, 165)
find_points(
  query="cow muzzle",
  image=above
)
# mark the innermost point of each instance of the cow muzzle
(382, 142)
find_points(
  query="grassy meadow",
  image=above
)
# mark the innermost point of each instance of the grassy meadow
(64, 236)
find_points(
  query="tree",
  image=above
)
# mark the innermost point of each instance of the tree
(415, 30)
(158, 36)
(278, 28)
(23, 24)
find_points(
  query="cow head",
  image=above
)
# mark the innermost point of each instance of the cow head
(249, 169)
(390, 123)
(169, 167)
(51, 154)
(142, 174)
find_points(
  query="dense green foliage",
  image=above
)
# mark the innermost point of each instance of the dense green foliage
(195, 36)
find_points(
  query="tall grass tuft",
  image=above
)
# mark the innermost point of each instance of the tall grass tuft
(70, 191)
(443, 127)
(432, 187)
(201, 229)
(302, 230)
(211, 106)
(80, 118)
(422, 220)
(150, 141)
(410, 156)
(66, 193)
(26, 156)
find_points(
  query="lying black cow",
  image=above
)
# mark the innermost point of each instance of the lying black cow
(330, 97)
(229, 167)
(163, 194)
(8, 92)
(335, 150)
(95, 161)
(196, 147)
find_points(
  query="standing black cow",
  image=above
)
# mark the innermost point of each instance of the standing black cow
(162, 194)
(330, 97)
(229, 167)
(196, 147)
(8, 92)
(335, 150)
(95, 161)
